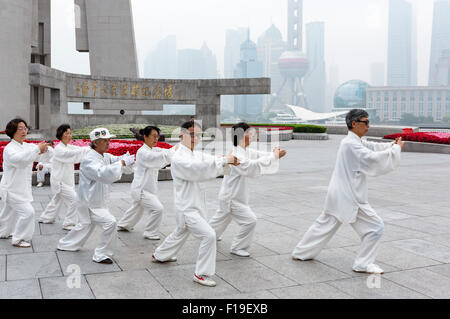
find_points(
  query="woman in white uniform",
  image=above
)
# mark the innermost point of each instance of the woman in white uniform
(62, 179)
(17, 216)
(144, 188)
(234, 193)
(189, 168)
(347, 197)
(98, 170)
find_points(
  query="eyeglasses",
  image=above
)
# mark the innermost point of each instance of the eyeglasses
(102, 133)
(367, 122)
(23, 129)
(196, 134)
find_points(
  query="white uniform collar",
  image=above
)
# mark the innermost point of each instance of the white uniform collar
(354, 136)
(17, 143)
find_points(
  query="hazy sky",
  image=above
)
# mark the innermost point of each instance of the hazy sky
(355, 30)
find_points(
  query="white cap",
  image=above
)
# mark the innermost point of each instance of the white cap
(99, 133)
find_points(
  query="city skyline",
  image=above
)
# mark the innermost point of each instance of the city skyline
(352, 43)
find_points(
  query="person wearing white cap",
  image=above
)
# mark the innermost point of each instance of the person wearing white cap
(347, 197)
(62, 179)
(189, 168)
(98, 170)
(42, 169)
(144, 188)
(234, 193)
(17, 216)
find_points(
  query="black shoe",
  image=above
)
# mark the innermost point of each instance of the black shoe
(106, 261)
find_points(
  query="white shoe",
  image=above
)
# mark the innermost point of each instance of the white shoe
(39, 185)
(42, 221)
(371, 269)
(22, 244)
(173, 259)
(240, 253)
(219, 238)
(152, 237)
(204, 280)
(120, 228)
(69, 227)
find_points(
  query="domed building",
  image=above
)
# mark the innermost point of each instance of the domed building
(293, 64)
(351, 95)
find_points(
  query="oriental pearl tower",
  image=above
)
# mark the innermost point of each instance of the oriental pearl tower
(293, 63)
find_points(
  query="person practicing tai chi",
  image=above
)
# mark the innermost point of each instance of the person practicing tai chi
(144, 188)
(98, 170)
(42, 169)
(189, 168)
(234, 193)
(17, 216)
(347, 197)
(62, 179)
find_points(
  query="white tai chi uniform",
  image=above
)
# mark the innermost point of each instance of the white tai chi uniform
(188, 170)
(62, 183)
(17, 216)
(234, 195)
(347, 199)
(144, 189)
(40, 173)
(97, 172)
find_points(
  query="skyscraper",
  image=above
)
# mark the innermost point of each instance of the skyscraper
(314, 82)
(161, 63)
(270, 46)
(197, 64)
(440, 39)
(248, 67)
(401, 50)
(377, 74)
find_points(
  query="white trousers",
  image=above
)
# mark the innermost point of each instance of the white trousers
(199, 228)
(150, 204)
(243, 216)
(369, 228)
(17, 220)
(42, 172)
(76, 238)
(66, 197)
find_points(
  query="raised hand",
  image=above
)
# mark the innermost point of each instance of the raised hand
(399, 142)
(278, 152)
(43, 147)
(232, 160)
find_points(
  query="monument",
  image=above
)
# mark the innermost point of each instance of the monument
(113, 91)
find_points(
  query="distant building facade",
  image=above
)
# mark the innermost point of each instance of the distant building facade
(161, 62)
(440, 42)
(197, 64)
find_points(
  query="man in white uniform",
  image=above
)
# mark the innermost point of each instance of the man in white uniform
(189, 168)
(234, 193)
(98, 170)
(62, 179)
(42, 169)
(17, 216)
(347, 197)
(144, 188)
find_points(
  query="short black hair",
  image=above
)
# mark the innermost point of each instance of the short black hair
(148, 130)
(11, 127)
(61, 130)
(239, 130)
(187, 125)
(354, 115)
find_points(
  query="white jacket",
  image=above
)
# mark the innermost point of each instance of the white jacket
(97, 172)
(64, 158)
(357, 159)
(146, 169)
(189, 169)
(253, 163)
(18, 160)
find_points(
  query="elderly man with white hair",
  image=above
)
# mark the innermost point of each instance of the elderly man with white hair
(347, 197)
(98, 170)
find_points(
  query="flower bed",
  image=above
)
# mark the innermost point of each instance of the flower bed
(117, 147)
(424, 137)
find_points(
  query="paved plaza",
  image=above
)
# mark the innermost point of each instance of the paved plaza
(413, 201)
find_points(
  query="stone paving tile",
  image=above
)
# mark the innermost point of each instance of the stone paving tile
(132, 284)
(423, 281)
(83, 259)
(302, 272)
(281, 243)
(7, 249)
(33, 265)
(358, 287)
(443, 270)
(262, 294)
(178, 282)
(20, 289)
(46, 243)
(65, 288)
(249, 275)
(424, 225)
(2, 268)
(424, 248)
(310, 291)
